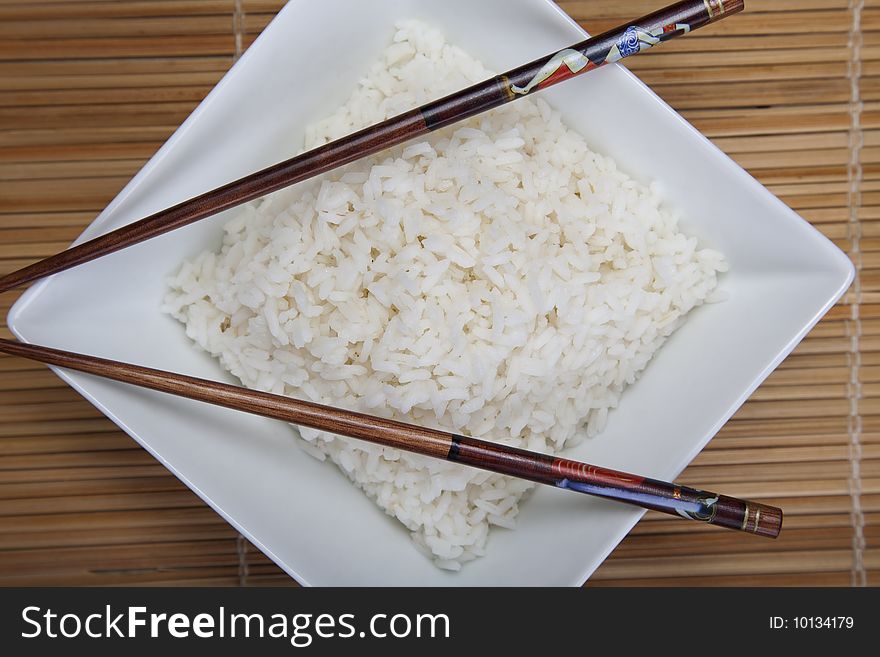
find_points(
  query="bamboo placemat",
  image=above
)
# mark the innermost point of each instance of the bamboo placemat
(90, 89)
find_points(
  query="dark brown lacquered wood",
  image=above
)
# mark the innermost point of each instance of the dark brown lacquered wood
(732, 6)
(612, 46)
(639, 491)
(662, 496)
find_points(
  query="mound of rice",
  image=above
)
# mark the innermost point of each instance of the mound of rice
(498, 279)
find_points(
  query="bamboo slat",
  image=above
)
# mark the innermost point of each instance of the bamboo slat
(89, 89)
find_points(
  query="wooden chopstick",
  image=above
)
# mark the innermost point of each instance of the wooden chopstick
(639, 491)
(612, 46)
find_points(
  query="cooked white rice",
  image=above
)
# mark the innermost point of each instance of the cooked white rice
(497, 279)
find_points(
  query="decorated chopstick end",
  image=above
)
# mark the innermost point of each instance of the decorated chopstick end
(720, 8)
(747, 516)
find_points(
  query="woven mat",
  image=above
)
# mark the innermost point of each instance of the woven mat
(90, 89)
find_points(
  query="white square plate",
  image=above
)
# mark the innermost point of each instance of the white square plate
(306, 515)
